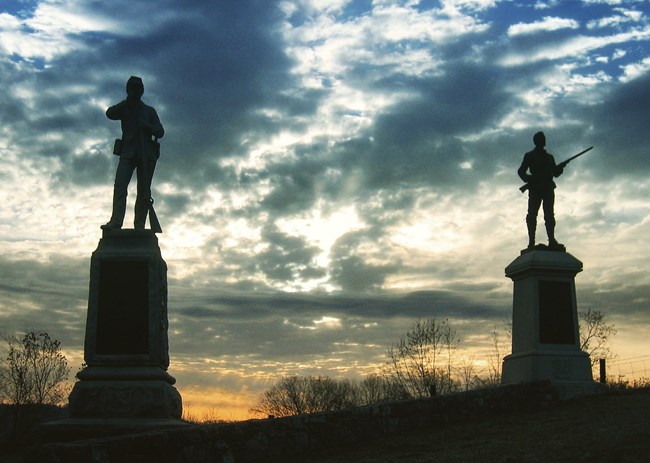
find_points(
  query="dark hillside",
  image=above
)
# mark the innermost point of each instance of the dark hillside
(523, 423)
(607, 428)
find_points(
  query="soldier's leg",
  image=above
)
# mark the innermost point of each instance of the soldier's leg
(143, 200)
(549, 216)
(120, 190)
(534, 201)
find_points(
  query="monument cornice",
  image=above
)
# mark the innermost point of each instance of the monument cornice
(540, 262)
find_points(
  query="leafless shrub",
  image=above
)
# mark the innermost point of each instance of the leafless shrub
(34, 370)
(422, 361)
(376, 388)
(295, 395)
(32, 382)
(595, 334)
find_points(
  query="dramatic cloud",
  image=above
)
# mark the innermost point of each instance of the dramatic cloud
(331, 170)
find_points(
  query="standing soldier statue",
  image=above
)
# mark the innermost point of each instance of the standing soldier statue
(541, 189)
(138, 150)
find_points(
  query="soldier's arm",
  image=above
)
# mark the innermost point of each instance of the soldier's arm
(114, 113)
(522, 170)
(557, 169)
(152, 124)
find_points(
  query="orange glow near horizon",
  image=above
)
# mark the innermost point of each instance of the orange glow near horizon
(213, 403)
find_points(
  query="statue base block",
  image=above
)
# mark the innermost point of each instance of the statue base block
(126, 348)
(545, 338)
(125, 399)
(569, 371)
(75, 429)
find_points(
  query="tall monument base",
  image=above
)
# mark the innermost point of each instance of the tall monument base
(545, 337)
(125, 384)
(125, 393)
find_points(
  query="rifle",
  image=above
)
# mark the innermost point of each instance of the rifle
(148, 176)
(561, 165)
(153, 218)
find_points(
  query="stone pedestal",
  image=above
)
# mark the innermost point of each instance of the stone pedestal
(545, 338)
(126, 349)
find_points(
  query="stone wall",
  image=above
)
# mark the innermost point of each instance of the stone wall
(284, 439)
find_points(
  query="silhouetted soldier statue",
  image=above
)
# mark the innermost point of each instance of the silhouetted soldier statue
(137, 151)
(541, 189)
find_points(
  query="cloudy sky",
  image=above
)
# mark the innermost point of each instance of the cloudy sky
(332, 170)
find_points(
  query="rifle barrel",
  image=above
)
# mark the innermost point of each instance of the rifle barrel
(573, 157)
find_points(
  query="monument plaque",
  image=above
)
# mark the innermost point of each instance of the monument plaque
(123, 308)
(556, 324)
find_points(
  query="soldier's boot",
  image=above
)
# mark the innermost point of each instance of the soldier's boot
(531, 234)
(111, 225)
(552, 242)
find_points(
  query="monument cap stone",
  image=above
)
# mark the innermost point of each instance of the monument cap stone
(543, 261)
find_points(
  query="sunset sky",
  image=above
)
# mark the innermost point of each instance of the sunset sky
(331, 171)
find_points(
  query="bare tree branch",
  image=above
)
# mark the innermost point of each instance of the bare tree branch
(422, 360)
(33, 371)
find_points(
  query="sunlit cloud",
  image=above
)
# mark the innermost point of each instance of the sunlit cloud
(634, 70)
(547, 24)
(573, 47)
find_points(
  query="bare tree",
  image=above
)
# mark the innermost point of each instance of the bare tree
(376, 388)
(295, 395)
(467, 375)
(422, 360)
(494, 368)
(507, 328)
(34, 371)
(595, 334)
(32, 379)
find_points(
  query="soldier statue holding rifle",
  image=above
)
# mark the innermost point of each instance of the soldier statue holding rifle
(538, 169)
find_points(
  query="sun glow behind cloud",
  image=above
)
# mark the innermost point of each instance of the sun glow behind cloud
(322, 228)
